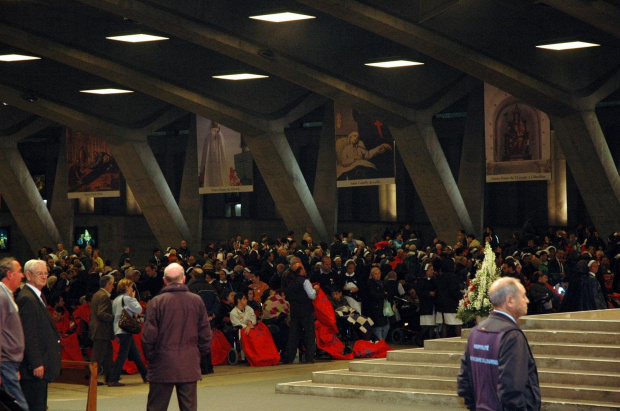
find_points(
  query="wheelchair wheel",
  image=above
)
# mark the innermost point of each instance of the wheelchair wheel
(233, 356)
(398, 336)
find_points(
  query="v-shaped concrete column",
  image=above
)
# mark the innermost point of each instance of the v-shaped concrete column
(62, 207)
(190, 202)
(325, 186)
(21, 194)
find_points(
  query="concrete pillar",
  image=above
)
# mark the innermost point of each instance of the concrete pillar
(190, 202)
(143, 175)
(556, 187)
(23, 199)
(62, 208)
(432, 178)
(472, 171)
(130, 201)
(325, 188)
(592, 166)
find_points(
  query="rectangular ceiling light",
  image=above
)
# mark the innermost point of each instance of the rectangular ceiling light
(107, 91)
(137, 38)
(568, 45)
(17, 57)
(394, 63)
(240, 76)
(282, 17)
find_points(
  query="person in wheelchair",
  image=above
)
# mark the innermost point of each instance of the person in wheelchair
(242, 315)
(351, 324)
(276, 317)
(543, 298)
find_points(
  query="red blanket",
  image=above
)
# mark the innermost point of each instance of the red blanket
(368, 349)
(219, 348)
(327, 341)
(259, 347)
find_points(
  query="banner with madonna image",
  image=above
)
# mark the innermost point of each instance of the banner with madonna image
(517, 142)
(225, 164)
(92, 171)
(364, 149)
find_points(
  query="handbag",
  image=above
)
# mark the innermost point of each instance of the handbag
(387, 308)
(129, 323)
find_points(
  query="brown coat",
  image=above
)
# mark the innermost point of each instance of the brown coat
(101, 317)
(176, 334)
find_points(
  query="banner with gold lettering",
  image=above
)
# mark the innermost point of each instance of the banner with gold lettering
(364, 149)
(225, 164)
(92, 171)
(517, 139)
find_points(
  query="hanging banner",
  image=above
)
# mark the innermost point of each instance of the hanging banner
(517, 139)
(224, 163)
(364, 149)
(92, 171)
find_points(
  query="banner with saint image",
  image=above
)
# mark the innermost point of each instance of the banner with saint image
(364, 149)
(517, 139)
(225, 164)
(92, 171)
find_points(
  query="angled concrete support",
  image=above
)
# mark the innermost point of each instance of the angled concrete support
(432, 178)
(325, 188)
(592, 167)
(599, 13)
(62, 207)
(471, 172)
(190, 202)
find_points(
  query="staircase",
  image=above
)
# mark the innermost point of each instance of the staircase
(577, 355)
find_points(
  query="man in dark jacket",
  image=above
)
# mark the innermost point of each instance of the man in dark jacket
(300, 295)
(498, 371)
(176, 335)
(42, 355)
(101, 327)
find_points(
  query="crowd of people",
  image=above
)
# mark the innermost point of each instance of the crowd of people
(275, 280)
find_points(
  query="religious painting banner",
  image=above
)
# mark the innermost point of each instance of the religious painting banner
(517, 143)
(225, 164)
(92, 171)
(364, 149)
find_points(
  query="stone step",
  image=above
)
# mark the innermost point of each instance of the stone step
(434, 399)
(550, 376)
(570, 392)
(536, 322)
(547, 362)
(566, 337)
(538, 348)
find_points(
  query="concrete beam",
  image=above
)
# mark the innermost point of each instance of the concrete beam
(325, 187)
(432, 178)
(61, 209)
(538, 93)
(21, 194)
(600, 14)
(190, 202)
(592, 166)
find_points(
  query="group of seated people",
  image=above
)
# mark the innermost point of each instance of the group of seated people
(367, 282)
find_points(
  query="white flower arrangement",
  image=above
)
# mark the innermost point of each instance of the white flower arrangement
(475, 302)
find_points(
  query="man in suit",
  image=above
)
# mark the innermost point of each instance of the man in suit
(101, 326)
(42, 355)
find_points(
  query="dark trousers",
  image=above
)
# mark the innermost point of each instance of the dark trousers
(35, 391)
(102, 354)
(302, 325)
(159, 396)
(127, 349)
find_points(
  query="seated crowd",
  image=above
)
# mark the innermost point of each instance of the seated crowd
(372, 285)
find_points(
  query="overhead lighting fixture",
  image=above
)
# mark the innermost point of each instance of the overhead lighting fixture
(394, 63)
(282, 17)
(17, 57)
(240, 76)
(137, 38)
(104, 91)
(567, 45)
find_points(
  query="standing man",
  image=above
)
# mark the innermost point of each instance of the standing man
(11, 333)
(42, 355)
(176, 335)
(101, 327)
(498, 370)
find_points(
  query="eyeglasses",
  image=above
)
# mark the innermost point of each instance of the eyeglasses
(41, 273)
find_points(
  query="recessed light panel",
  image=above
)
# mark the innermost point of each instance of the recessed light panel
(568, 45)
(137, 38)
(240, 76)
(282, 17)
(394, 63)
(17, 57)
(106, 91)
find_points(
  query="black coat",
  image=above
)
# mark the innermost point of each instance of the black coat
(449, 292)
(376, 297)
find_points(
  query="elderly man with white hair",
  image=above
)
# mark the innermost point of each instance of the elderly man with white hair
(498, 371)
(176, 334)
